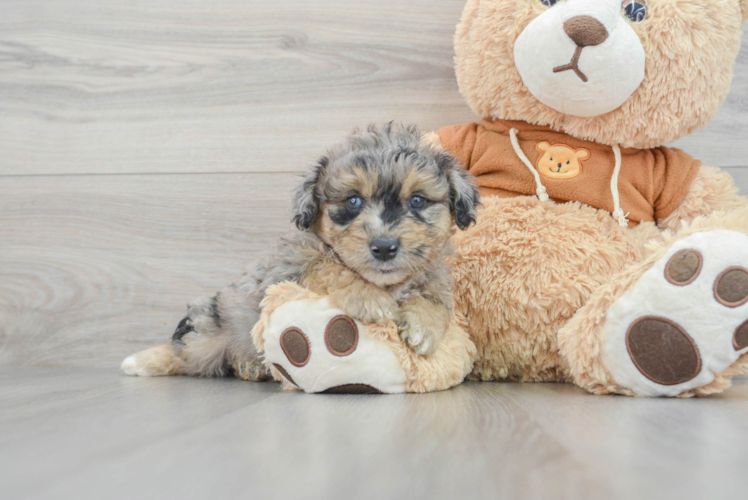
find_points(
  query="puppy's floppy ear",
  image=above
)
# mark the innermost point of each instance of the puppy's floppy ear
(463, 193)
(306, 203)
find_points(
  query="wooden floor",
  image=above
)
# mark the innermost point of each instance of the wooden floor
(92, 434)
(147, 151)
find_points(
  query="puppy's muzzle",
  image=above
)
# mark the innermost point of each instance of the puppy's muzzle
(384, 249)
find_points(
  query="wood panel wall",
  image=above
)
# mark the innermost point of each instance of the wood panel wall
(147, 149)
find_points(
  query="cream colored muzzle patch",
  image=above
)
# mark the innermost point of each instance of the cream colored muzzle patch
(581, 57)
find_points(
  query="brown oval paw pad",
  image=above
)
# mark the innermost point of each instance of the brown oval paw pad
(662, 351)
(353, 389)
(295, 345)
(684, 267)
(285, 374)
(341, 336)
(731, 287)
(740, 340)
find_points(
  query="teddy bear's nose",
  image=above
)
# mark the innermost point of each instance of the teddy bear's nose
(586, 31)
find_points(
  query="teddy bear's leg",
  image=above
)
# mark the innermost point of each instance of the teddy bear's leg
(673, 325)
(311, 346)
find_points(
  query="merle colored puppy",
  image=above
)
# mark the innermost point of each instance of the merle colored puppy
(375, 215)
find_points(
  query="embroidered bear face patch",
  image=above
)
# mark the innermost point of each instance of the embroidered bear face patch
(560, 161)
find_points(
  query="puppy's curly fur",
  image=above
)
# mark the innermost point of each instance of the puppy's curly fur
(375, 215)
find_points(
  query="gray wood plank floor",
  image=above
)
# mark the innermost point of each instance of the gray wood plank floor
(147, 152)
(92, 434)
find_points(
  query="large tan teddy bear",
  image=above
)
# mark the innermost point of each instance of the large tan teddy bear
(600, 257)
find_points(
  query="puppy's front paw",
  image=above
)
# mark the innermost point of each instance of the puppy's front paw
(420, 339)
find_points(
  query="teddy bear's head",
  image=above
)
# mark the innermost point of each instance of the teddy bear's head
(638, 73)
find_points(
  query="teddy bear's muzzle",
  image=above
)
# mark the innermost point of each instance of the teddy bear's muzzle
(581, 57)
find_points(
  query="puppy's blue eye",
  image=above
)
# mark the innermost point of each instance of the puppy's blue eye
(354, 203)
(549, 3)
(417, 202)
(636, 10)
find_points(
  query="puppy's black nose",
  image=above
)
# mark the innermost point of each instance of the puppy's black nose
(384, 249)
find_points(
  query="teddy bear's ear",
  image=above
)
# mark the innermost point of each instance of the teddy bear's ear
(306, 202)
(744, 8)
(543, 146)
(582, 154)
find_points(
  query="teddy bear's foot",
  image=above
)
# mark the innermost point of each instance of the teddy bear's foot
(314, 347)
(317, 348)
(685, 320)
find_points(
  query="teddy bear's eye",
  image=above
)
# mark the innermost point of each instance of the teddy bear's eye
(549, 3)
(636, 10)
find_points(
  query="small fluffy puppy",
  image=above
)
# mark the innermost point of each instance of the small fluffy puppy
(375, 215)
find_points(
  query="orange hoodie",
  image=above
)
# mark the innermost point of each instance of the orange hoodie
(651, 182)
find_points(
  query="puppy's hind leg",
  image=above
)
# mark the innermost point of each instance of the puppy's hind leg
(198, 347)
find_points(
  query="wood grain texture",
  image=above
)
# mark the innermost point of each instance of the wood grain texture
(146, 152)
(93, 434)
(238, 85)
(94, 267)
(229, 85)
(146, 146)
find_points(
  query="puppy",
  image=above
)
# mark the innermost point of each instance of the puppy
(375, 215)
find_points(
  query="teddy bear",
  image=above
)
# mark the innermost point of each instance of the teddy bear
(600, 256)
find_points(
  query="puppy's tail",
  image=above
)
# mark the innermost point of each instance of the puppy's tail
(156, 361)
(199, 347)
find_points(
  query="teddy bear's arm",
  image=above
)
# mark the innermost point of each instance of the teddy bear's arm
(358, 298)
(711, 190)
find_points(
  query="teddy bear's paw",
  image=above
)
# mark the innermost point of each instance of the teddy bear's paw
(317, 348)
(685, 320)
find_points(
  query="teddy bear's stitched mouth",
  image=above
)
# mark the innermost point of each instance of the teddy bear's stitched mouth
(573, 65)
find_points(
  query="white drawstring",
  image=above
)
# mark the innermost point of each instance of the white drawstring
(617, 213)
(617, 210)
(541, 192)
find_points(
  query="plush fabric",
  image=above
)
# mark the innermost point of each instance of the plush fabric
(609, 64)
(558, 290)
(690, 48)
(651, 185)
(379, 359)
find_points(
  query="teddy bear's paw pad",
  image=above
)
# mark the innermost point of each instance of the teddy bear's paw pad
(731, 287)
(352, 389)
(295, 346)
(740, 339)
(317, 348)
(341, 336)
(684, 320)
(684, 267)
(662, 351)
